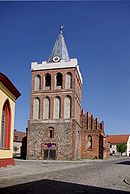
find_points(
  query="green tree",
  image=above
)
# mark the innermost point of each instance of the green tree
(121, 148)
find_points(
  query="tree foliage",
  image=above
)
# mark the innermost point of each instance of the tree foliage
(121, 148)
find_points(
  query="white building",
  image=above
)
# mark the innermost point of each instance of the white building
(18, 136)
(115, 140)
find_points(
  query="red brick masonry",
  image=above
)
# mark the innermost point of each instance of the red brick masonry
(7, 162)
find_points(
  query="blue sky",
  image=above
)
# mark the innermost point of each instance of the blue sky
(97, 33)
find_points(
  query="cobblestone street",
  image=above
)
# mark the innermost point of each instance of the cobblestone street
(87, 176)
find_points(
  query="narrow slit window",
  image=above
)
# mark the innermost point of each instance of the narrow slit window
(51, 130)
(51, 133)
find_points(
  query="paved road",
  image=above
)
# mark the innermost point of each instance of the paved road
(89, 177)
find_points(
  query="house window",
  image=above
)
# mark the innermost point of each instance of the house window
(16, 138)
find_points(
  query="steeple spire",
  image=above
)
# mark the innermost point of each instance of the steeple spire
(61, 29)
(59, 51)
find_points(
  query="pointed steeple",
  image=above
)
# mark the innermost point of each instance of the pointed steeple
(59, 51)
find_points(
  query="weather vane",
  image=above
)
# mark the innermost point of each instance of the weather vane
(61, 29)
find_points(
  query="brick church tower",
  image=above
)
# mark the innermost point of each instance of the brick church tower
(55, 106)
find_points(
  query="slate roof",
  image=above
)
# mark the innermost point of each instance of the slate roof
(59, 49)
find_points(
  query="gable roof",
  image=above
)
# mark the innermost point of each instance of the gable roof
(9, 85)
(117, 139)
(18, 135)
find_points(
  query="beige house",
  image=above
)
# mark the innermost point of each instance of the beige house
(8, 97)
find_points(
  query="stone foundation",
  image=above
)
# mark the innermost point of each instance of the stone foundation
(65, 142)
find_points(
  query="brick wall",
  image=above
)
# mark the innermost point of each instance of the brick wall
(67, 132)
(91, 127)
(74, 93)
(70, 135)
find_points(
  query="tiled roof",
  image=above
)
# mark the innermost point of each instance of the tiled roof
(115, 139)
(18, 136)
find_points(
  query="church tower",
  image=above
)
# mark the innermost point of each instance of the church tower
(55, 107)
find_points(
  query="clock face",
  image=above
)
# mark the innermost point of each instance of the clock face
(56, 59)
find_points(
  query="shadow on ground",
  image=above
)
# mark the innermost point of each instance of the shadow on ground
(56, 187)
(124, 162)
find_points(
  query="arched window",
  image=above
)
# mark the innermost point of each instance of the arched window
(89, 143)
(59, 80)
(68, 81)
(46, 108)
(51, 132)
(6, 124)
(2, 129)
(67, 107)
(48, 81)
(36, 108)
(57, 107)
(37, 85)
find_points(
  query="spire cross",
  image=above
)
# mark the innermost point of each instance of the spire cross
(61, 29)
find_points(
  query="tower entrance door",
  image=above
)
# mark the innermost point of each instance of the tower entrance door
(49, 154)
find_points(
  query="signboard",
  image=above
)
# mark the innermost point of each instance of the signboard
(49, 145)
